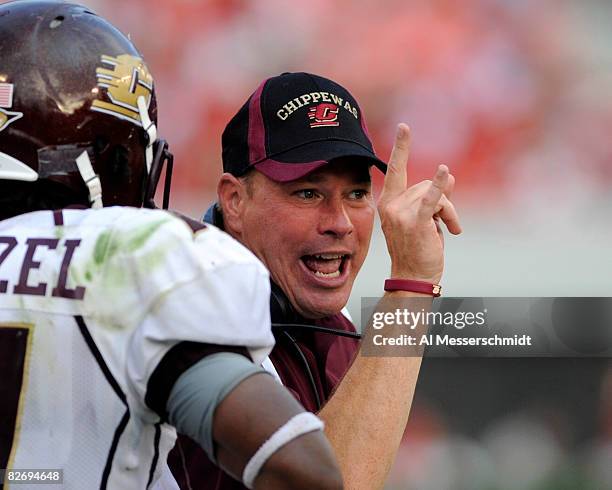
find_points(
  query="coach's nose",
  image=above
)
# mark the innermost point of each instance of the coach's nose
(335, 219)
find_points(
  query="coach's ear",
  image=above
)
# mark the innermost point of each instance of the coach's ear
(232, 194)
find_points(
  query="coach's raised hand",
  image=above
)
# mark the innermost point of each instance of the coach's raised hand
(410, 216)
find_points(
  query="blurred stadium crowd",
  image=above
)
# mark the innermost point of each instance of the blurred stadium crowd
(514, 96)
(509, 93)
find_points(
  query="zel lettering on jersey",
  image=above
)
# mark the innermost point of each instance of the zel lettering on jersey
(29, 263)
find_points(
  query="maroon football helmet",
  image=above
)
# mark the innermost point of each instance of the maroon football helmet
(77, 105)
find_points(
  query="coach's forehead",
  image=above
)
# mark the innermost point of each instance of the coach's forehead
(357, 171)
(342, 168)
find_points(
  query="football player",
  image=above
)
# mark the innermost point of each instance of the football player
(119, 324)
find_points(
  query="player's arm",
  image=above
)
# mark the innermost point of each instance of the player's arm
(232, 407)
(381, 389)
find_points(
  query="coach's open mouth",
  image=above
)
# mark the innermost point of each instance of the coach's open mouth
(327, 265)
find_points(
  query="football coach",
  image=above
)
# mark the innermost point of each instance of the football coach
(296, 190)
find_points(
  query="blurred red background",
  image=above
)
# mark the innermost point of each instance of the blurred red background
(506, 93)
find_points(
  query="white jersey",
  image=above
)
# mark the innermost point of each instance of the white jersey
(90, 302)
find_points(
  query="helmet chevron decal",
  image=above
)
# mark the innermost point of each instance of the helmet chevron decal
(126, 79)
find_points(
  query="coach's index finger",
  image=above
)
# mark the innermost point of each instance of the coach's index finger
(396, 179)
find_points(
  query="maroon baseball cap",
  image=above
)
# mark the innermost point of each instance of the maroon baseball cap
(292, 125)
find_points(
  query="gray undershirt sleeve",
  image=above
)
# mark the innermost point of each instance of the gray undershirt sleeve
(199, 390)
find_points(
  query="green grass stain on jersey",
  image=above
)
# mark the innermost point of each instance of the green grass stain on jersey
(139, 237)
(111, 261)
(110, 243)
(105, 248)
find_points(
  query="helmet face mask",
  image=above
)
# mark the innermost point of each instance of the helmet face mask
(70, 82)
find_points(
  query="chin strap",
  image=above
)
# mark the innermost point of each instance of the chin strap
(91, 179)
(150, 130)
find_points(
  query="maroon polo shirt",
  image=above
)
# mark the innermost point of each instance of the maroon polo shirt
(328, 356)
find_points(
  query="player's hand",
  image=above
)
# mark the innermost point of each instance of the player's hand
(410, 216)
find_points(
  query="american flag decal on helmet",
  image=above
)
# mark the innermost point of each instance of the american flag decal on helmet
(6, 95)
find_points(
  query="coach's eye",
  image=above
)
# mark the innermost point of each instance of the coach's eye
(306, 194)
(359, 194)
